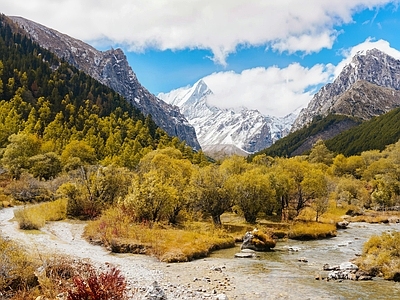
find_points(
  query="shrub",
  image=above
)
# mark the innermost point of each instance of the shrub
(28, 189)
(109, 285)
(381, 256)
(29, 220)
(16, 268)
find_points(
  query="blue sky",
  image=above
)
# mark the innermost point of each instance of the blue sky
(264, 54)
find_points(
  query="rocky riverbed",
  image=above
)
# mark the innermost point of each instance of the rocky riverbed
(280, 274)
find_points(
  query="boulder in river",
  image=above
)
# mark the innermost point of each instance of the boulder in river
(342, 225)
(346, 271)
(245, 255)
(258, 241)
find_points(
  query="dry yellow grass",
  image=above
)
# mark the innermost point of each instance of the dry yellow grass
(311, 230)
(168, 244)
(35, 216)
(381, 256)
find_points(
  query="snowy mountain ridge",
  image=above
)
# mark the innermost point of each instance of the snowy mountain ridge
(242, 128)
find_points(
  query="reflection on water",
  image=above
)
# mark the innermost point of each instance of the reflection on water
(280, 274)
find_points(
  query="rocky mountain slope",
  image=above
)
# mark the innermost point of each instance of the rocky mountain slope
(112, 69)
(238, 131)
(356, 91)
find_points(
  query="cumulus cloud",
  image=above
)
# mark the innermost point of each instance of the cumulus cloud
(273, 91)
(280, 91)
(285, 25)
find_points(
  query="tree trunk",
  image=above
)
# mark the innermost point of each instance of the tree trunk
(217, 220)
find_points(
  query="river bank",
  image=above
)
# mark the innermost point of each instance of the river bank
(273, 275)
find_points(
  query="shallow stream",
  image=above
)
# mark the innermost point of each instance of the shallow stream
(273, 275)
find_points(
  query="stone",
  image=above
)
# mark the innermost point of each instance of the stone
(221, 297)
(342, 224)
(155, 292)
(244, 255)
(257, 241)
(328, 267)
(364, 278)
(302, 259)
(294, 249)
(348, 266)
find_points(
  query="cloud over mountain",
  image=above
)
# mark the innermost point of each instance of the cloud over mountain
(219, 26)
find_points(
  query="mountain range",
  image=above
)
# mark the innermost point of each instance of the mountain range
(226, 131)
(112, 69)
(366, 87)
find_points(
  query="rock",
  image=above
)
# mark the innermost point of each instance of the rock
(352, 276)
(345, 271)
(303, 259)
(217, 269)
(342, 224)
(247, 251)
(348, 266)
(318, 277)
(257, 241)
(364, 277)
(221, 297)
(245, 255)
(394, 219)
(62, 296)
(294, 249)
(396, 277)
(155, 292)
(328, 267)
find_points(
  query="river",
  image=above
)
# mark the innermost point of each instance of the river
(272, 275)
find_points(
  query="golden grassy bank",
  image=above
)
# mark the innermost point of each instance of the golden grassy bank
(311, 230)
(381, 256)
(35, 216)
(115, 229)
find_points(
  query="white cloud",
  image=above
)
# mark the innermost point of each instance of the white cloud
(286, 25)
(273, 91)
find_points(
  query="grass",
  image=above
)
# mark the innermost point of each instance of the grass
(311, 231)
(115, 229)
(35, 216)
(376, 217)
(381, 256)
(26, 277)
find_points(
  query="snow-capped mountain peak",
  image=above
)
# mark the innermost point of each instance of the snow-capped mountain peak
(235, 128)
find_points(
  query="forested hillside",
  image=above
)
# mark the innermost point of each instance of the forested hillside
(48, 106)
(302, 140)
(374, 134)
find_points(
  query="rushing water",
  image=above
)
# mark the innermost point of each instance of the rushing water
(280, 274)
